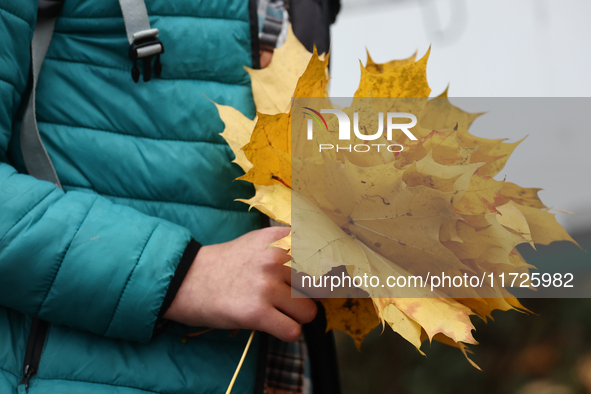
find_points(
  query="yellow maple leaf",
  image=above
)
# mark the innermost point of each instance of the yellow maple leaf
(432, 208)
(511, 217)
(354, 316)
(400, 323)
(444, 147)
(523, 196)
(543, 225)
(285, 244)
(378, 68)
(269, 151)
(482, 196)
(273, 86)
(463, 348)
(443, 316)
(238, 134)
(404, 80)
(440, 114)
(274, 201)
(447, 178)
(482, 233)
(325, 246)
(399, 222)
(314, 80)
(436, 316)
(494, 152)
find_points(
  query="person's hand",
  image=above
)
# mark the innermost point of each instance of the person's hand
(243, 284)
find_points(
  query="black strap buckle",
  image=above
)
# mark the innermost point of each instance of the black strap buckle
(145, 49)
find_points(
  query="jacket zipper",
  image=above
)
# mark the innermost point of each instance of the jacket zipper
(33, 351)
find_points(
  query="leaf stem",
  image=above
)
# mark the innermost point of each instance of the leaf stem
(229, 390)
(195, 334)
(280, 180)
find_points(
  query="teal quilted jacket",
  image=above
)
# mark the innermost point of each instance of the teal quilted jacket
(144, 171)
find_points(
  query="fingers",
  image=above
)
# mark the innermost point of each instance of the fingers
(275, 233)
(276, 312)
(285, 320)
(281, 326)
(287, 274)
(278, 256)
(295, 305)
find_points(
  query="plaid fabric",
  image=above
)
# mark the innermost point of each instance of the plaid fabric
(288, 364)
(288, 368)
(273, 24)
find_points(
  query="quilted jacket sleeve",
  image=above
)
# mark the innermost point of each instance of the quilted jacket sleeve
(74, 258)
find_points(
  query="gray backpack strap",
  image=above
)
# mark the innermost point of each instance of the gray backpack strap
(35, 156)
(144, 45)
(143, 41)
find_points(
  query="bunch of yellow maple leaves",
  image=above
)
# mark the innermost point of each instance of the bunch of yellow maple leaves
(445, 211)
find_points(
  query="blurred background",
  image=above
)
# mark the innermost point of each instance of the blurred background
(527, 48)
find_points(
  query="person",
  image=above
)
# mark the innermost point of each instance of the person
(105, 281)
